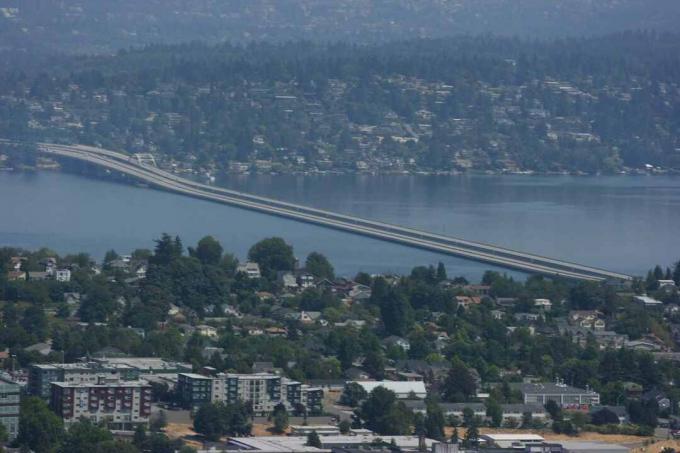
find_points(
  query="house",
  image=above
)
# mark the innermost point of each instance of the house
(359, 292)
(72, 298)
(38, 276)
(305, 317)
(648, 302)
(16, 262)
(543, 304)
(662, 400)
(528, 317)
(251, 269)
(402, 389)
(668, 286)
(288, 281)
(400, 342)
(467, 301)
(62, 275)
(497, 314)
(644, 345)
(507, 302)
(206, 331)
(306, 280)
(276, 331)
(589, 319)
(478, 290)
(13, 276)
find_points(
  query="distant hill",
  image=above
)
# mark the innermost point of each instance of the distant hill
(96, 26)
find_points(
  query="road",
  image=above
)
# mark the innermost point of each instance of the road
(498, 256)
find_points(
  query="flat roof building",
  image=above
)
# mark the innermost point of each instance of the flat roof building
(121, 405)
(562, 394)
(403, 389)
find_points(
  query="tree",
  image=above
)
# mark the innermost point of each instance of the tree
(459, 384)
(85, 437)
(441, 272)
(280, 418)
(352, 394)
(471, 438)
(382, 413)
(208, 251)
(495, 412)
(116, 446)
(344, 426)
(4, 435)
(396, 313)
(454, 437)
(313, 440)
(554, 410)
(139, 438)
(40, 429)
(319, 266)
(604, 417)
(434, 421)
(209, 422)
(167, 250)
(272, 255)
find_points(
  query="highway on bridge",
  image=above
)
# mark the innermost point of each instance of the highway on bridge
(498, 256)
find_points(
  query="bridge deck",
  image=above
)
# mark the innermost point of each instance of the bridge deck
(444, 244)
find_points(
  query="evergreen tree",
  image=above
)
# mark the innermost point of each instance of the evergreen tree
(313, 440)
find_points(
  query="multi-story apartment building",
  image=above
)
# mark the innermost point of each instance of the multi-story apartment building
(40, 376)
(121, 405)
(10, 396)
(128, 369)
(264, 391)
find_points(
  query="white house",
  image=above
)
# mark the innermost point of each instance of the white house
(63, 275)
(252, 270)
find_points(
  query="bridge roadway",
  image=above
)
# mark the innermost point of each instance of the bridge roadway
(498, 256)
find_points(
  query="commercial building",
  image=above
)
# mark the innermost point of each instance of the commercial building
(264, 391)
(10, 399)
(403, 389)
(295, 444)
(562, 394)
(121, 405)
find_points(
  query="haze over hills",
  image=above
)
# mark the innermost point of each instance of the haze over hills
(96, 26)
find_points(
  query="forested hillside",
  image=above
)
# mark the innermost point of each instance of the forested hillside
(106, 26)
(476, 103)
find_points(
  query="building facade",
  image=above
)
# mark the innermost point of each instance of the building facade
(10, 399)
(564, 395)
(264, 391)
(41, 376)
(121, 405)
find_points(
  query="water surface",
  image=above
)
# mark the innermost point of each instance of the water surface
(626, 224)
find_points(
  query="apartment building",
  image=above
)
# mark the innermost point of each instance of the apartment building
(40, 376)
(121, 405)
(264, 391)
(10, 398)
(120, 368)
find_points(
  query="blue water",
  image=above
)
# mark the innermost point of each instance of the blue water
(626, 224)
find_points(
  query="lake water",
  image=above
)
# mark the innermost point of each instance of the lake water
(625, 224)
